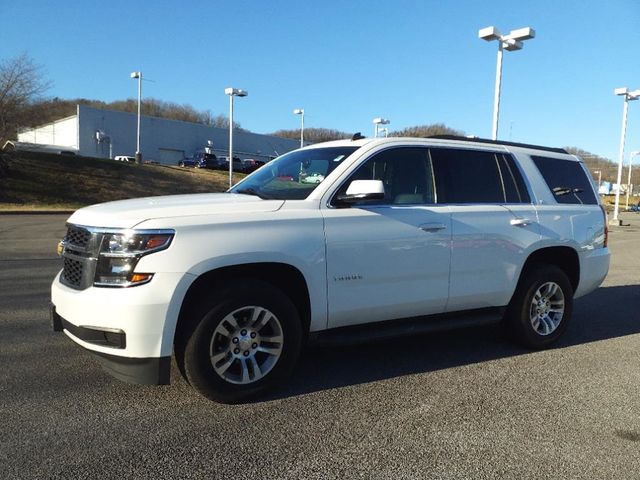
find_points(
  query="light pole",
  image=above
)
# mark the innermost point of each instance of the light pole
(631, 155)
(138, 75)
(300, 111)
(377, 122)
(599, 172)
(510, 42)
(628, 96)
(232, 92)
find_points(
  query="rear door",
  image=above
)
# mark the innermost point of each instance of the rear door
(494, 224)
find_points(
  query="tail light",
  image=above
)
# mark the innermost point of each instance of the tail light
(606, 227)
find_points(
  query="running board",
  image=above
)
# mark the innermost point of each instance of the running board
(371, 332)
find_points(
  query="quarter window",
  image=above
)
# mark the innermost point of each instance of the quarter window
(566, 180)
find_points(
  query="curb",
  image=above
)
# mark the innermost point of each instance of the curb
(36, 212)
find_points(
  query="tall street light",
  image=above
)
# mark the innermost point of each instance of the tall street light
(300, 111)
(138, 75)
(376, 124)
(631, 155)
(599, 172)
(628, 97)
(510, 43)
(232, 92)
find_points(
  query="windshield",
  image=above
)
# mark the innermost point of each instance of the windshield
(295, 175)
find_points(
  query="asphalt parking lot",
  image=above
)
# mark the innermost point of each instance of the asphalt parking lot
(455, 405)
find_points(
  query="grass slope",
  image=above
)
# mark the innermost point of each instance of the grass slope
(31, 180)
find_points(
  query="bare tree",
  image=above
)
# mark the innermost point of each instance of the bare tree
(313, 135)
(222, 121)
(21, 82)
(426, 131)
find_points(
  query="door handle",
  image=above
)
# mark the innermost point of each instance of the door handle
(520, 222)
(432, 227)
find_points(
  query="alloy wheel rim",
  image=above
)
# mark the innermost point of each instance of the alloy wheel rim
(246, 345)
(547, 308)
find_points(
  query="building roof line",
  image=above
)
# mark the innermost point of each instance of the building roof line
(26, 129)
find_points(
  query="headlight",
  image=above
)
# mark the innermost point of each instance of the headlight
(120, 252)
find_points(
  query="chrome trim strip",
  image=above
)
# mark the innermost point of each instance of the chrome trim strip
(102, 329)
(123, 285)
(150, 231)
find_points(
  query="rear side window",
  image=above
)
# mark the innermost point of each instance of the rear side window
(567, 180)
(470, 176)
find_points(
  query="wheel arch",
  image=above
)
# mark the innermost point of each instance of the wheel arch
(285, 277)
(565, 258)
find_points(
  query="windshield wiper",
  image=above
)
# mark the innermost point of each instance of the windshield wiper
(559, 191)
(254, 192)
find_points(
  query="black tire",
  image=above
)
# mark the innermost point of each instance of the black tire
(181, 164)
(196, 346)
(521, 313)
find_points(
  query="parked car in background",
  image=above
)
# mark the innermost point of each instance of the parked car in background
(207, 160)
(250, 165)
(237, 163)
(125, 158)
(245, 165)
(187, 162)
(634, 208)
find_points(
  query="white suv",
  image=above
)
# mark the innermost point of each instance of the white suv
(393, 235)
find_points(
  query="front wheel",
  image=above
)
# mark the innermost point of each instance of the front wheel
(246, 340)
(541, 307)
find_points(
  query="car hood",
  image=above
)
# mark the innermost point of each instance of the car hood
(129, 213)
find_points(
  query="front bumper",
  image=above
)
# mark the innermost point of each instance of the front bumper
(130, 330)
(145, 371)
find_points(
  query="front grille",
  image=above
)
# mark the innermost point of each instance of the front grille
(77, 236)
(72, 272)
(80, 253)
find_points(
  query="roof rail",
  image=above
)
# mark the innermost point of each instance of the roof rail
(498, 142)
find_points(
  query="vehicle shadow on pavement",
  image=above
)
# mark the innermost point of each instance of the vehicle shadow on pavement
(607, 313)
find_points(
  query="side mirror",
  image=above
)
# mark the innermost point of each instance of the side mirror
(362, 191)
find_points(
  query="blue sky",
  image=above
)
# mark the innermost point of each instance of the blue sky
(414, 62)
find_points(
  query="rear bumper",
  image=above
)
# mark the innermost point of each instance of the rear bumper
(594, 266)
(144, 371)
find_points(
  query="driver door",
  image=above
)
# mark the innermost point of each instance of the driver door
(388, 259)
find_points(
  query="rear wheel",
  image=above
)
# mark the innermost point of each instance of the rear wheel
(242, 342)
(541, 307)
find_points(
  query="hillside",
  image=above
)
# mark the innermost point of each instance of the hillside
(39, 180)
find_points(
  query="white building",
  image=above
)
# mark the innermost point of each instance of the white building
(95, 132)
